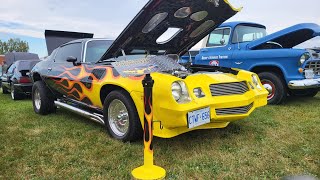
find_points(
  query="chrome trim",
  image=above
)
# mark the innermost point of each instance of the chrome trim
(304, 84)
(224, 89)
(93, 116)
(234, 111)
(314, 65)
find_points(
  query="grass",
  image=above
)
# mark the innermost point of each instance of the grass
(275, 141)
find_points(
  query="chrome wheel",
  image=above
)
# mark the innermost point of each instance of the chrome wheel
(118, 117)
(37, 99)
(270, 87)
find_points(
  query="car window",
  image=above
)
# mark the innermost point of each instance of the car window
(248, 33)
(11, 69)
(219, 37)
(0, 70)
(69, 50)
(95, 49)
(26, 65)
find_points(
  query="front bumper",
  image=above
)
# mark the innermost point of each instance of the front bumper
(23, 88)
(174, 119)
(304, 84)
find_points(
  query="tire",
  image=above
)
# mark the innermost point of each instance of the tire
(275, 85)
(14, 94)
(304, 92)
(42, 99)
(4, 90)
(118, 104)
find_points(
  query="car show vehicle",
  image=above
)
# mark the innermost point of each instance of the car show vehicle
(80, 77)
(16, 79)
(282, 68)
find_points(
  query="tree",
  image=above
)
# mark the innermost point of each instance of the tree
(13, 45)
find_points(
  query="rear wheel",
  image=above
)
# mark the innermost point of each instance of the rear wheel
(121, 117)
(304, 92)
(275, 86)
(42, 99)
(14, 94)
(4, 90)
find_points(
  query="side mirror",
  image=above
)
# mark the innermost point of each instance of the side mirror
(73, 60)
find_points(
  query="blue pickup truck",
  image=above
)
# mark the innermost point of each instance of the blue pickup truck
(283, 69)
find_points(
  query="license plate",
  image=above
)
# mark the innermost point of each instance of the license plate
(309, 74)
(198, 117)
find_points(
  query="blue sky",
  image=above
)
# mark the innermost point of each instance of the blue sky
(27, 20)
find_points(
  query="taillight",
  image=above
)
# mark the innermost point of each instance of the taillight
(24, 80)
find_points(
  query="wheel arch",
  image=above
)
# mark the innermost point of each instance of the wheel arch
(36, 77)
(269, 68)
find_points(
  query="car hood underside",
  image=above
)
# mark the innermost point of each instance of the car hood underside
(289, 37)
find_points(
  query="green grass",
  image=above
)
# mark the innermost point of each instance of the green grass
(275, 141)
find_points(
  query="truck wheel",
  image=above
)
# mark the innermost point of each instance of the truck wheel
(275, 86)
(4, 90)
(121, 118)
(14, 94)
(42, 99)
(304, 92)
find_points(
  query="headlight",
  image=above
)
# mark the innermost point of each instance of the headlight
(198, 92)
(180, 92)
(255, 81)
(303, 58)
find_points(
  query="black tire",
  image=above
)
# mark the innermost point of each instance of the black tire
(4, 90)
(304, 92)
(14, 94)
(46, 105)
(134, 131)
(279, 89)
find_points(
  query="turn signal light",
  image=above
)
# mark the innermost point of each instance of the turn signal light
(300, 70)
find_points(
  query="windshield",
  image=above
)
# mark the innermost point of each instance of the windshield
(247, 33)
(219, 37)
(95, 49)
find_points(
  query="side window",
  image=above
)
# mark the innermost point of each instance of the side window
(11, 69)
(219, 37)
(69, 50)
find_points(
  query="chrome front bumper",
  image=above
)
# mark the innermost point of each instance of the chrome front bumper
(304, 84)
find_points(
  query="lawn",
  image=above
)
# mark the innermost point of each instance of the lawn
(273, 142)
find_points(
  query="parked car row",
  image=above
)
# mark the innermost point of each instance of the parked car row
(211, 91)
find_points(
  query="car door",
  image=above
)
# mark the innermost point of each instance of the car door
(218, 51)
(65, 76)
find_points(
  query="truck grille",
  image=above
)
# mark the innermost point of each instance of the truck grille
(236, 110)
(315, 65)
(225, 89)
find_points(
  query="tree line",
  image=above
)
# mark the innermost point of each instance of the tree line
(13, 45)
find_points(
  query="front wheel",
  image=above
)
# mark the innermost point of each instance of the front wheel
(275, 86)
(121, 117)
(42, 99)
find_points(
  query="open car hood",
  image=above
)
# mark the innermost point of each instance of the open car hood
(289, 37)
(195, 19)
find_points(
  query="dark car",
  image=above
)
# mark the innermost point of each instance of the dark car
(16, 79)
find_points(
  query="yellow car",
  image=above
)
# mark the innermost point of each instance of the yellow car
(79, 76)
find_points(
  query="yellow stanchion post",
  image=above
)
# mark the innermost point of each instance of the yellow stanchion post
(148, 170)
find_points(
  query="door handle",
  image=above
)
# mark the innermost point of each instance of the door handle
(49, 69)
(238, 63)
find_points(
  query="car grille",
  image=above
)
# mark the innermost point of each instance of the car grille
(236, 110)
(225, 89)
(315, 65)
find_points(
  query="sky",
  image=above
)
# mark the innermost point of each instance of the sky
(27, 20)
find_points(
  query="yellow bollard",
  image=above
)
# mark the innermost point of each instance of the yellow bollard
(148, 170)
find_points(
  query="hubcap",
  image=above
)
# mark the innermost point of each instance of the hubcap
(118, 117)
(37, 99)
(270, 88)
